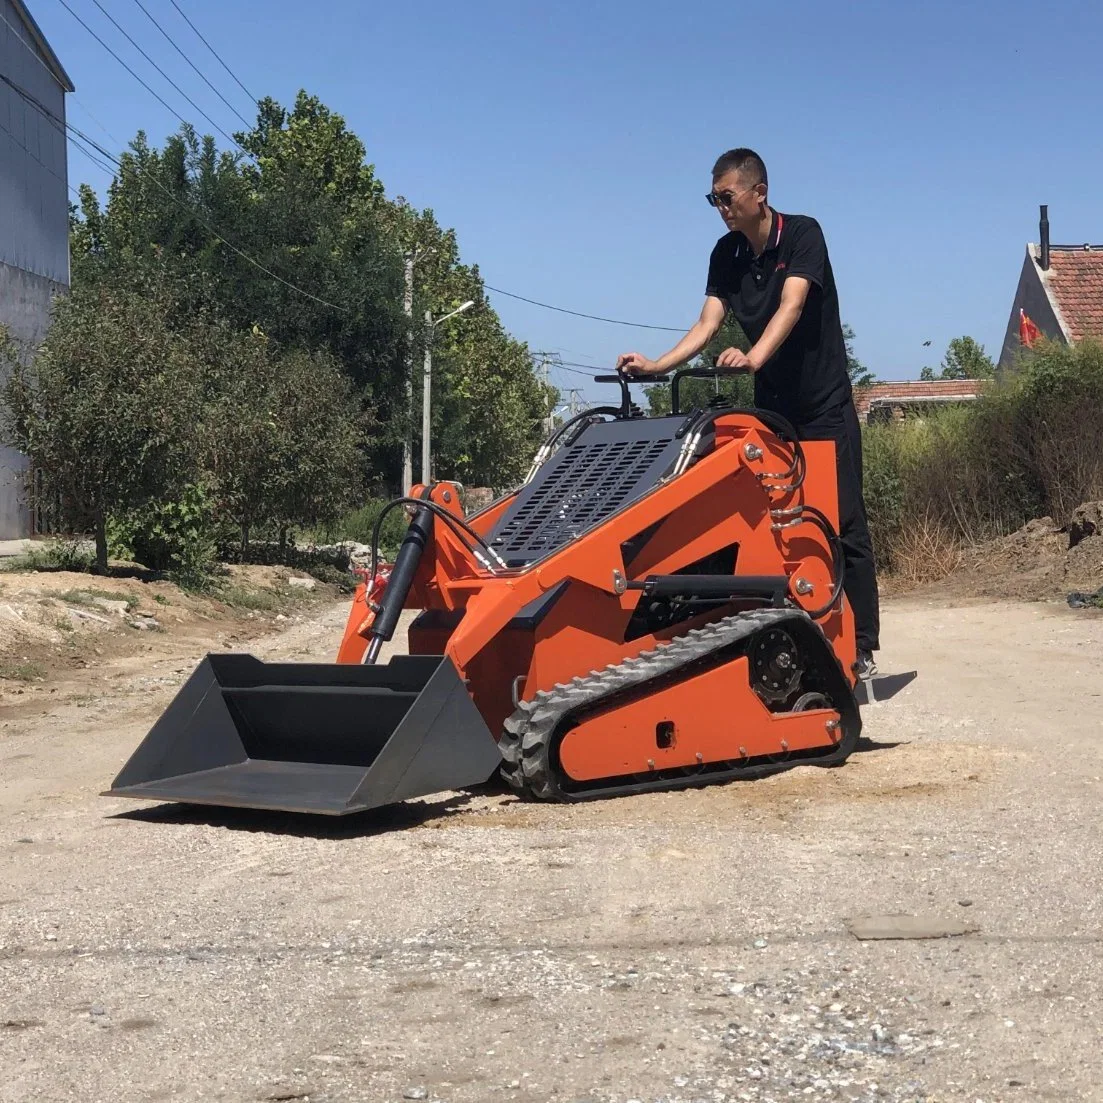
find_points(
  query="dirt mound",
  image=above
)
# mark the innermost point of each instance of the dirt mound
(54, 621)
(1043, 561)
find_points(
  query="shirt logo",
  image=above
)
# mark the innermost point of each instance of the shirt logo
(780, 267)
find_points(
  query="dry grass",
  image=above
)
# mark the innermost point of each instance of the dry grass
(926, 550)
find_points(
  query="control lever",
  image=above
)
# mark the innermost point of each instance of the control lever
(626, 406)
(714, 372)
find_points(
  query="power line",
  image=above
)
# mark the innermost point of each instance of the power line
(578, 313)
(213, 51)
(573, 370)
(101, 165)
(202, 75)
(592, 367)
(34, 53)
(119, 60)
(84, 108)
(72, 130)
(158, 98)
(115, 23)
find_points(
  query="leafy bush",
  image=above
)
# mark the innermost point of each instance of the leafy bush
(359, 524)
(281, 436)
(56, 554)
(177, 536)
(1059, 429)
(108, 409)
(1031, 447)
(884, 487)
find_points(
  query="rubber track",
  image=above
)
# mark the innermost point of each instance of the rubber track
(529, 733)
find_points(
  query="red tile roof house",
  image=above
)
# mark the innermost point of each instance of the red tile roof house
(1060, 290)
(887, 401)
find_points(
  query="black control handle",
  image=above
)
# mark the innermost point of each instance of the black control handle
(714, 372)
(623, 381)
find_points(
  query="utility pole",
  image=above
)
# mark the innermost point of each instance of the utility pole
(408, 436)
(542, 365)
(427, 387)
(426, 397)
(549, 421)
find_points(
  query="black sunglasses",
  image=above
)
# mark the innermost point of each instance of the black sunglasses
(725, 198)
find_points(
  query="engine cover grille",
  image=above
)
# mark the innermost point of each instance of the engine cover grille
(609, 465)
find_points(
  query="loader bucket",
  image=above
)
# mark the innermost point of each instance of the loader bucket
(302, 737)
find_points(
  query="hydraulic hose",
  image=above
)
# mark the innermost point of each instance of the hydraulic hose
(780, 425)
(417, 538)
(545, 450)
(838, 559)
(458, 526)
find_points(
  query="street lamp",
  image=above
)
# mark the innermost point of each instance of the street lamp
(427, 380)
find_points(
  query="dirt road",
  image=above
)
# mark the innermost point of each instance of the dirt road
(680, 947)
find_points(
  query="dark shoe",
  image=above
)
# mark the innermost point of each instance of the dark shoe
(865, 667)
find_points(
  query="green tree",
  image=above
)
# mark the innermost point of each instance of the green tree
(964, 359)
(860, 375)
(282, 435)
(109, 407)
(301, 240)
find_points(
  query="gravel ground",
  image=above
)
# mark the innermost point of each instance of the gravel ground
(679, 947)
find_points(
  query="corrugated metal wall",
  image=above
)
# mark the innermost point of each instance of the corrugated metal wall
(34, 221)
(34, 197)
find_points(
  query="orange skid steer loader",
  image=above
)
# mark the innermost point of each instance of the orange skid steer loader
(659, 605)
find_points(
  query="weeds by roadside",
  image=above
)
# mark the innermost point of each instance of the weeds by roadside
(95, 597)
(959, 477)
(25, 671)
(54, 555)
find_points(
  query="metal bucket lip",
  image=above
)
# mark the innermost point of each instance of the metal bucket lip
(223, 786)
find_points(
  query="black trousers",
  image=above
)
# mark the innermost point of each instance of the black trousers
(840, 425)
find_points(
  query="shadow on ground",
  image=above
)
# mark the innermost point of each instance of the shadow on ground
(375, 821)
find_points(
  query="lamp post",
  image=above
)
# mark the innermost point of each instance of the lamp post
(427, 381)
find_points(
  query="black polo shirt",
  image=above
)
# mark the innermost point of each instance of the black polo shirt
(807, 375)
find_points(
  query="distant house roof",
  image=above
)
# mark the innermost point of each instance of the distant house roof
(915, 393)
(39, 40)
(1060, 291)
(1074, 283)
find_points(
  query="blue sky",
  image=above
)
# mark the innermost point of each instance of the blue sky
(570, 144)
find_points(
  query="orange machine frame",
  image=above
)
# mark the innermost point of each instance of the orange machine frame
(725, 498)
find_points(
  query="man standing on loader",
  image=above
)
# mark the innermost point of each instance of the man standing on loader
(773, 273)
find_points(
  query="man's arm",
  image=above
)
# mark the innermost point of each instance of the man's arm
(794, 293)
(703, 330)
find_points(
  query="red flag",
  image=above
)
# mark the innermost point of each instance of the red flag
(1028, 331)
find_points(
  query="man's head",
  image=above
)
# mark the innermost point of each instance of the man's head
(739, 187)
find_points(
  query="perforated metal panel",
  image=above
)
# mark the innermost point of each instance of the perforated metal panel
(610, 465)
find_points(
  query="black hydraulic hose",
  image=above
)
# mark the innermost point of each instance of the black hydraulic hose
(838, 557)
(785, 430)
(452, 520)
(596, 411)
(417, 537)
(782, 427)
(418, 533)
(456, 524)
